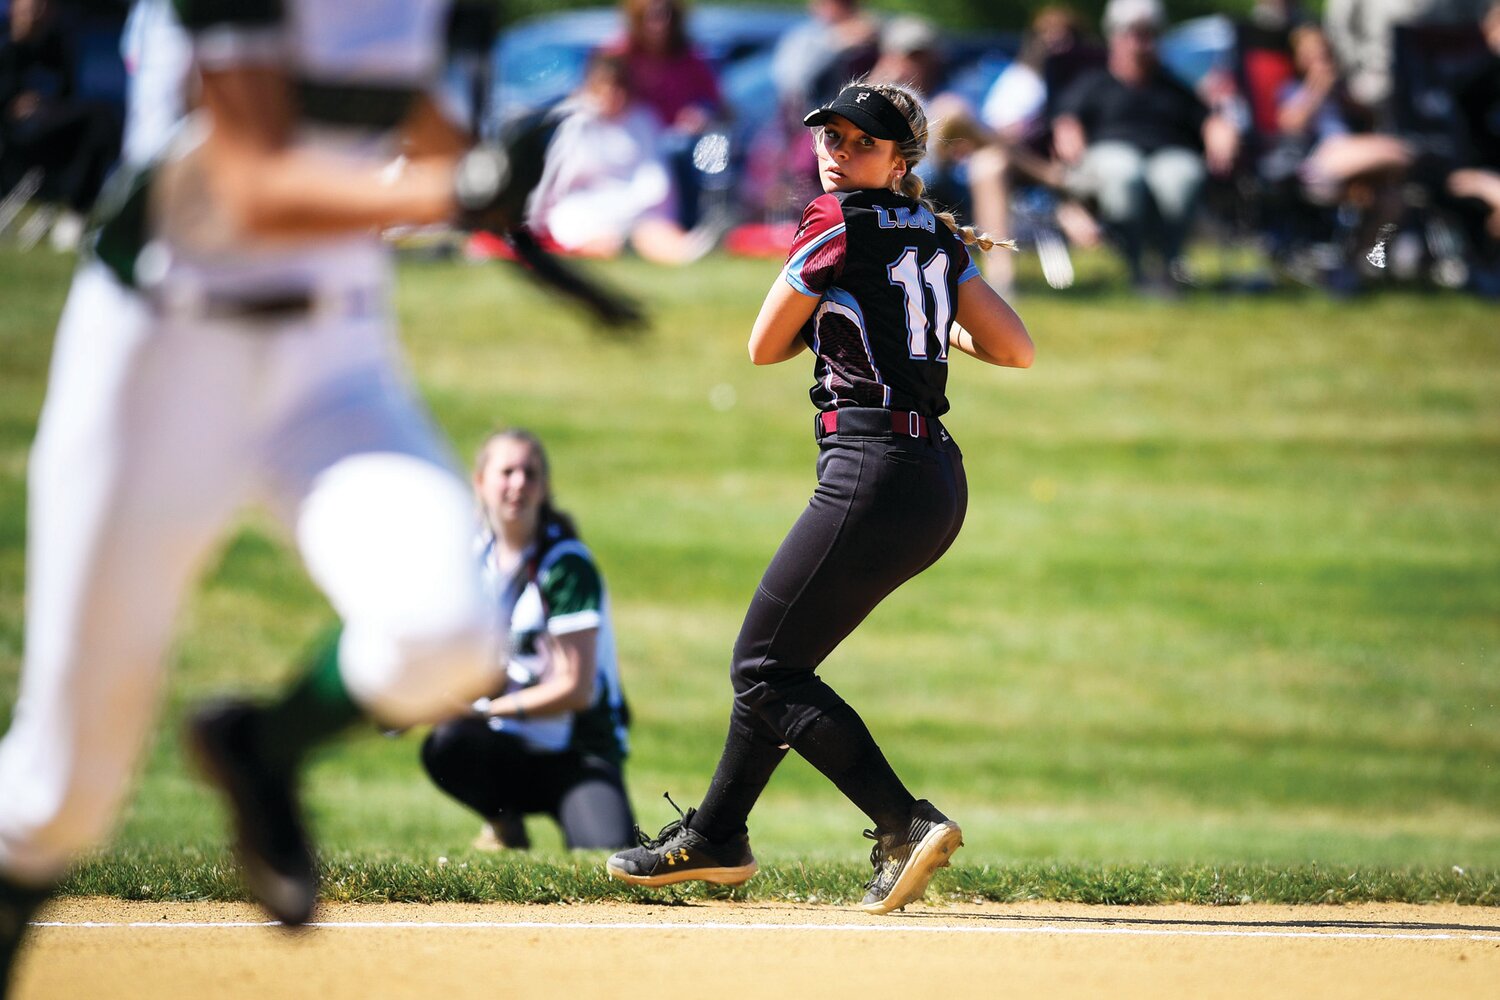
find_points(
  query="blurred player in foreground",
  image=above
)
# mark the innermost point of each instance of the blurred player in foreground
(874, 284)
(229, 338)
(552, 740)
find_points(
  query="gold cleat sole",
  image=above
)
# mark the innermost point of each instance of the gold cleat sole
(934, 851)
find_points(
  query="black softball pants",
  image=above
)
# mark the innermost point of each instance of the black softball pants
(499, 777)
(886, 507)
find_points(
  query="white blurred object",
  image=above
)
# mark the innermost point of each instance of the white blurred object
(19, 196)
(1377, 255)
(36, 226)
(1445, 247)
(158, 57)
(1122, 14)
(711, 153)
(1406, 255)
(1057, 264)
(67, 232)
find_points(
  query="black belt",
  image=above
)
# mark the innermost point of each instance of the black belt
(877, 423)
(268, 307)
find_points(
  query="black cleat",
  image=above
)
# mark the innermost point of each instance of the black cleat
(270, 842)
(905, 860)
(681, 854)
(17, 904)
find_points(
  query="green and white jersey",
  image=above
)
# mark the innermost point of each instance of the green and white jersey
(357, 70)
(554, 593)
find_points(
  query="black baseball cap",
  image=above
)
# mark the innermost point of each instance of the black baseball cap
(869, 109)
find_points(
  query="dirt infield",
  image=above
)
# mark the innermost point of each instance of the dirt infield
(110, 950)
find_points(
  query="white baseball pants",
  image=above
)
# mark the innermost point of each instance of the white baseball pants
(154, 432)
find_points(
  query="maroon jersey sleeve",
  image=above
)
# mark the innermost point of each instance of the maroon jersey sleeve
(818, 250)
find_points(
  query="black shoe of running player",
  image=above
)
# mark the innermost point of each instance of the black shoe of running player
(17, 904)
(269, 841)
(681, 854)
(905, 860)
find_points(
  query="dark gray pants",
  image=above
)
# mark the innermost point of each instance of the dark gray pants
(499, 777)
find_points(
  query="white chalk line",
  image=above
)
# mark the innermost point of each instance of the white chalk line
(542, 925)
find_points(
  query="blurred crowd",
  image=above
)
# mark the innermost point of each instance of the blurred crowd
(1352, 149)
(61, 114)
(1346, 150)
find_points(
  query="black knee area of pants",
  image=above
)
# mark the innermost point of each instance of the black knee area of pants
(772, 696)
(786, 703)
(463, 757)
(495, 773)
(444, 748)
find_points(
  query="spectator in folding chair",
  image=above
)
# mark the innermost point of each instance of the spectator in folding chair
(606, 184)
(1476, 183)
(44, 124)
(1339, 159)
(912, 55)
(1277, 15)
(1268, 190)
(671, 78)
(1432, 65)
(1018, 150)
(813, 60)
(1362, 31)
(1141, 144)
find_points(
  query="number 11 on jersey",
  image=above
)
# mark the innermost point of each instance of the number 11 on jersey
(920, 319)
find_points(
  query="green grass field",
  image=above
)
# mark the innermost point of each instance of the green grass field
(1224, 620)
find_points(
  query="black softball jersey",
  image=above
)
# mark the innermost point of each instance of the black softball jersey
(887, 272)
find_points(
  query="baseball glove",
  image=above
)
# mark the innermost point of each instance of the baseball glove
(491, 186)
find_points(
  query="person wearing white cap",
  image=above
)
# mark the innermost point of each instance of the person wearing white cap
(1362, 34)
(1140, 142)
(1120, 15)
(910, 53)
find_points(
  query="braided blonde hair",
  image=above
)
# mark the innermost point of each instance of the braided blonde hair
(912, 151)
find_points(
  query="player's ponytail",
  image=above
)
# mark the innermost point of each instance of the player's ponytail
(913, 151)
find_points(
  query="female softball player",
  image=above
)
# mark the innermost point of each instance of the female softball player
(229, 339)
(553, 739)
(879, 286)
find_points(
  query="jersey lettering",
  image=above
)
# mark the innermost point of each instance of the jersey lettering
(924, 316)
(905, 218)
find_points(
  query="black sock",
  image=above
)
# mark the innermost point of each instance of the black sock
(17, 904)
(839, 745)
(750, 756)
(314, 709)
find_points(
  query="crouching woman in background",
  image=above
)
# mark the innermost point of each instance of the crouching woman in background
(553, 740)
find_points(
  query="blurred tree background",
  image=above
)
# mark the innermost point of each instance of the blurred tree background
(953, 15)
